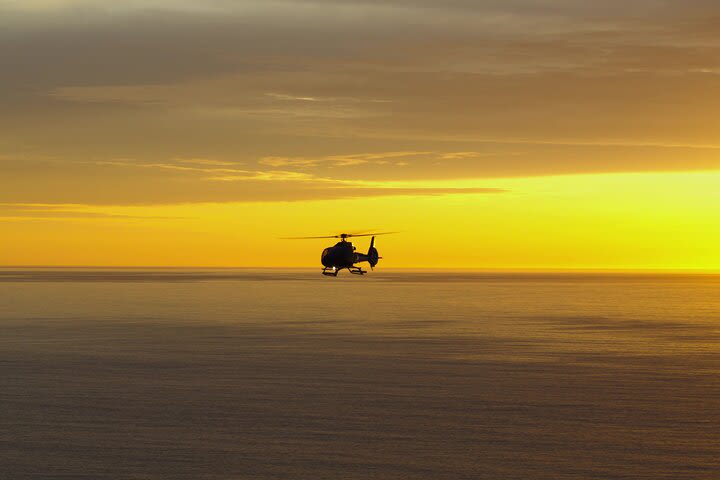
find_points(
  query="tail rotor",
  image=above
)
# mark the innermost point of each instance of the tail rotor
(373, 255)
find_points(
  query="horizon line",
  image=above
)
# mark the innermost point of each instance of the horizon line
(518, 270)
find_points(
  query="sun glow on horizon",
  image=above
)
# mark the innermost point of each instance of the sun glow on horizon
(610, 221)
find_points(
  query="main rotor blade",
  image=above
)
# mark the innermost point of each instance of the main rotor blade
(341, 235)
(371, 234)
(308, 238)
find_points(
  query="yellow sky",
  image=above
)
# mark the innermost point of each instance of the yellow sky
(610, 221)
(495, 134)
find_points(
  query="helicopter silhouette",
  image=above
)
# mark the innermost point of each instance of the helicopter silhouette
(343, 255)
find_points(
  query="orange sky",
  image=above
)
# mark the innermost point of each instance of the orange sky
(496, 134)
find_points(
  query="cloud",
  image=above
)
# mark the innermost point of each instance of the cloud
(126, 182)
(208, 161)
(339, 160)
(350, 192)
(275, 175)
(230, 100)
(280, 96)
(289, 161)
(465, 155)
(23, 211)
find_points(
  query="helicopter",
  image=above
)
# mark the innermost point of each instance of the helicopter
(343, 255)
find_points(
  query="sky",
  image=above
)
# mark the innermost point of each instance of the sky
(498, 134)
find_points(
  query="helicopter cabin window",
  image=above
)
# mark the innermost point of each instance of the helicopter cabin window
(325, 252)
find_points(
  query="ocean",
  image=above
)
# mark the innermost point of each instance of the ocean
(273, 374)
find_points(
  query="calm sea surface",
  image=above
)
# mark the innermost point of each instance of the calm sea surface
(244, 374)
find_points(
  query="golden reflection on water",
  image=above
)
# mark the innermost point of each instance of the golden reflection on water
(115, 374)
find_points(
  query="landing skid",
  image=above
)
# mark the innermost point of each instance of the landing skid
(333, 272)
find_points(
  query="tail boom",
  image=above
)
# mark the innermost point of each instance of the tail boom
(372, 257)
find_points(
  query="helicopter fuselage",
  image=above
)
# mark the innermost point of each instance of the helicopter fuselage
(343, 255)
